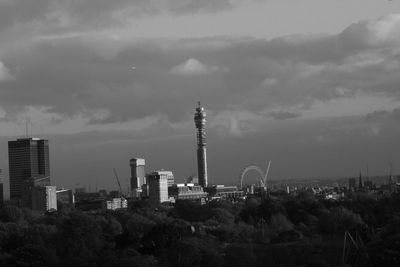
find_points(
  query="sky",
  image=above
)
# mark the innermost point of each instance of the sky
(312, 86)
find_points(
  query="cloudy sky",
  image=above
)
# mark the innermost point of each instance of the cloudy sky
(312, 85)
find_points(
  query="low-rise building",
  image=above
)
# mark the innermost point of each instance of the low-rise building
(65, 196)
(187, 191)
(226, 192)
(115, 203)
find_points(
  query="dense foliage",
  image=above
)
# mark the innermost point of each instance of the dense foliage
(277, 231)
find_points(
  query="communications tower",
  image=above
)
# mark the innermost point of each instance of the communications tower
(200, 122)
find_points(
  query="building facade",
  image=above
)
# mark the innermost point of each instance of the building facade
(115, 203)
(158, 188)
(28, 159)
(44, 198)
(187, 191)
(27, 187)
(200, 122)
(138, 175)
(225, 192)
(169, 175)
(65, 196)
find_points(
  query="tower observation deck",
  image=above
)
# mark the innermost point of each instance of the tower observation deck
(200, 122)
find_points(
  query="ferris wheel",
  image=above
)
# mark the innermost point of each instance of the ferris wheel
(262, 178)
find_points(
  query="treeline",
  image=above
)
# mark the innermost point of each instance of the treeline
(277, 231)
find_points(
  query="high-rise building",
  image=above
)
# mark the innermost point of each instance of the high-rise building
(169, 175)
(158, 187)
(28, 159)
(138, 174)
(44, 198)
(200, 122)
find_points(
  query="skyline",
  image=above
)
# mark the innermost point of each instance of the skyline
(313, 87)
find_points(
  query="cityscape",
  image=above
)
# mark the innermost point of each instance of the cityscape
(30, 183)
(177, 133)
(31, 188)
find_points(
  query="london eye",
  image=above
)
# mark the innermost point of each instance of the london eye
(262, 176)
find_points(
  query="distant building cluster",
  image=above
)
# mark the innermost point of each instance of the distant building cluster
(31, 186)
(30, 182)
(338, 189)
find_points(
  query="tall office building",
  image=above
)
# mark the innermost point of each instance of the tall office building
(169, 175)
(138, 174)
(28, 160)
(158, 187)
(200, 122)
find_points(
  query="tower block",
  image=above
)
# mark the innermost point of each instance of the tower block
(200, 122)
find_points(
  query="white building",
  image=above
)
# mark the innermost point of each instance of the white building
(44, 198)
(169, 175)
(116, 203)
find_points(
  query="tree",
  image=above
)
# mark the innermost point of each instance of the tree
(339, 219)
(137, 227)
(11, 214)
(240, 255)
(222, 216)
(35, 256)
(279, 223)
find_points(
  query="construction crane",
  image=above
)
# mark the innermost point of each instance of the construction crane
(266, 174)
(119, 184)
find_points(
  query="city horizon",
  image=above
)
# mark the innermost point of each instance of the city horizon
(283, 82)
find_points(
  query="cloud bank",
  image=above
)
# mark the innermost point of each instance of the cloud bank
(292, 74)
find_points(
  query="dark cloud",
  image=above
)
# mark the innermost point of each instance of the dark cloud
(86, 74)
(380, 115)
(193, 6)
(72, 15)
(283, 115)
